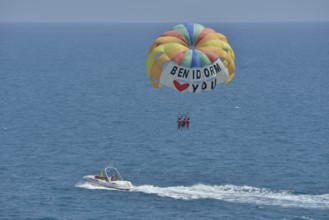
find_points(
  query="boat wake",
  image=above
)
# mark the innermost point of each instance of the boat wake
(232, 193)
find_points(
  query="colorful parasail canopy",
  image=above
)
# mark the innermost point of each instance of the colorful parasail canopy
(190, 58)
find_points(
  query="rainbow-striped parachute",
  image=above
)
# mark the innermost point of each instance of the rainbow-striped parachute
(190, 58)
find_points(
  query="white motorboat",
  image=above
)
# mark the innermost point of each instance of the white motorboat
(111, 179)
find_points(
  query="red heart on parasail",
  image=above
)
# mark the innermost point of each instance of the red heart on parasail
(181, 87)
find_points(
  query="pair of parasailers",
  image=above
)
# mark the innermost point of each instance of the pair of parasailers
(183, 122)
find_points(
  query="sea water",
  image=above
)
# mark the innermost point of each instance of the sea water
(76, 97)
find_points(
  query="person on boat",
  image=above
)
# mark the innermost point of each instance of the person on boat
(101, 176)
(115, 177)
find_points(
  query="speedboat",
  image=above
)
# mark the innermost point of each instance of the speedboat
(111, 179)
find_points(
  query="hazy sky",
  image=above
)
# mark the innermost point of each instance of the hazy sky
(163, 11)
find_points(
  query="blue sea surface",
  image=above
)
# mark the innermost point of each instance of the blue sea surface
(75, 97)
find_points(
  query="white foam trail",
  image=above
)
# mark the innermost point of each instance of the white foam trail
(238, 194)
(229, 193)
(299, 218)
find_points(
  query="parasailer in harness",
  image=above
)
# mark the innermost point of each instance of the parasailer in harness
(179, 121)
(188, 120)
(183, 122)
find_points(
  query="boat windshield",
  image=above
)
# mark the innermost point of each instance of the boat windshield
(113, 174)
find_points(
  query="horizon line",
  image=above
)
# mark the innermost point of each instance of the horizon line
(155, 22)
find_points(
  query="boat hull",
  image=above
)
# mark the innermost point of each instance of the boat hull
(119, 184)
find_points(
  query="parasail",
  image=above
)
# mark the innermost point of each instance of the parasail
(190, 57)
